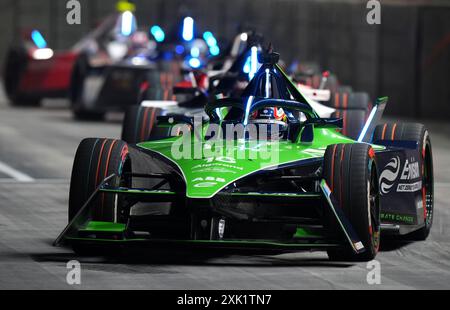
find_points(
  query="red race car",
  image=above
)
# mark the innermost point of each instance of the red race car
(34, 71)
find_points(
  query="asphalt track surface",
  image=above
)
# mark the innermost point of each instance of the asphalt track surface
(37, 146)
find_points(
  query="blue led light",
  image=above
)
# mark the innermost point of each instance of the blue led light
(194, 63)
(179, 49)
(127, 23)
(207, 35)
(188, 28)
(209, 39)
(157, 33)
(253, 62)
(214, 50)
(367, 125)
(246, 67)
(38, 39)
(195, 52)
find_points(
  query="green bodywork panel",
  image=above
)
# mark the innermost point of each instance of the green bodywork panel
(208, 167)
(104, 227)
(304, 232)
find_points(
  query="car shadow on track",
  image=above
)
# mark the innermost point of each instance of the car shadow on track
(166, 257)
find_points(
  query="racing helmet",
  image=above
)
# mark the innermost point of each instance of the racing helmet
(274, 118)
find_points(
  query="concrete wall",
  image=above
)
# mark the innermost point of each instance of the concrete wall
(406, 57)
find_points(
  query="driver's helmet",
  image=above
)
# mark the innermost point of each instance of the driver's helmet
(274, 118)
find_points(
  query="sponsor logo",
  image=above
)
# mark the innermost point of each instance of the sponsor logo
(207, 182)
(405, 188)
(410, 171)
(389, 175)
(399, 218)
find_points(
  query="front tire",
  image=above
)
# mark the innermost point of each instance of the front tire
(95, 160)
(350, 171)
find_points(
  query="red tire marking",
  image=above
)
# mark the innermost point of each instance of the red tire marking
(109, 156)
(345, 100)
(384, 132)
(106, 169)
(393, 131)
(336, 100)
(99, 162)
(144, 123)
(170, 88)
(332, 167)
(152, 120)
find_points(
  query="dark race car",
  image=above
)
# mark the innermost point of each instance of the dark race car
(148, 69)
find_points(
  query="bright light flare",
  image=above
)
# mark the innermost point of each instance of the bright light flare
(188, 28)
(42, 53)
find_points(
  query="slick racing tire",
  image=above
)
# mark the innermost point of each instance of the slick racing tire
(350, 100)
(353, 122)
(95, 160)
(415, 132)
(350, 172)
(15, 66)
(80, 112)
(139, 124)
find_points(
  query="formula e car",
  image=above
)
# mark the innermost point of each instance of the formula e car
(264, 171)
(147, 69)
(33, 70)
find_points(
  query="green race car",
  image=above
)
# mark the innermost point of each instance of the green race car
(259, 172)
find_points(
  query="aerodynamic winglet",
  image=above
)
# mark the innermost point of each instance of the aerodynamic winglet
(373, 120)
(344, 223)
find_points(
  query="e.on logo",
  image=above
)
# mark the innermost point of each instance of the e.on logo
(374, 15)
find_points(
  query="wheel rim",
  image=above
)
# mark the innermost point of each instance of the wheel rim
(374, 209)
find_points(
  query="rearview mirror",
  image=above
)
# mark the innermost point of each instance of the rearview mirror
(307, 134)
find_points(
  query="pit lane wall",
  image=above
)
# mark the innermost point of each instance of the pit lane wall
(406, 57)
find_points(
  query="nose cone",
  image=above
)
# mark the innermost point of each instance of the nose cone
(208, 168)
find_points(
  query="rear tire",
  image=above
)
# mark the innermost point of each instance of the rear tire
(353, 122)
(139, 125)
(80, 112)
(415, 132)
(15, 66)
(350, 172)
(350, 100)
(95, 160)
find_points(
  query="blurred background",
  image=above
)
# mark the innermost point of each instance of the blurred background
(407, 57)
